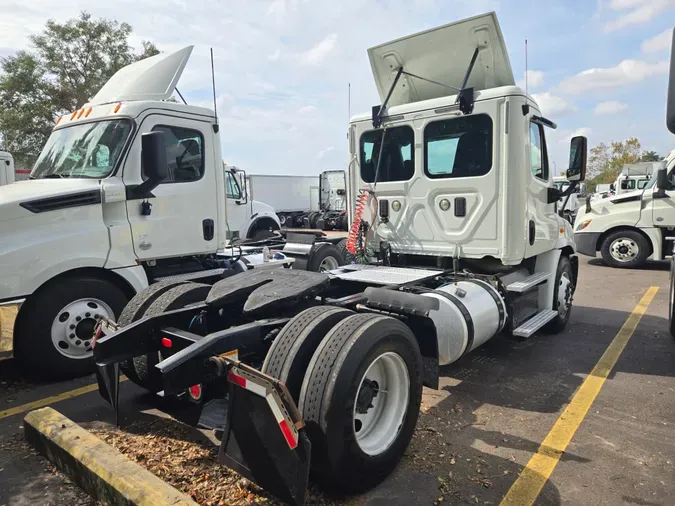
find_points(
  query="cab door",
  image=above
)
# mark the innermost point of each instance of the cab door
(181, 218)
(542, 222)
(663, 207)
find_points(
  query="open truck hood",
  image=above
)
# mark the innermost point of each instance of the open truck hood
(153, 78)
(443, 55)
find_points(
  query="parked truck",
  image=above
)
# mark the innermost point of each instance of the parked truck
(129, 191)
(632, 227)
(292, 197)
(332, 213)
(452, 210)
(6, 168)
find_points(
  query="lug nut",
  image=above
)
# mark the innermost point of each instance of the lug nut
(78, 318)
(87, 315)
(72, 327)
(78, 342)
(86, 343)
(72, 336)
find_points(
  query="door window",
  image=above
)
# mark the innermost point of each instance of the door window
(184, 153)
(538, 155)
(233, 191)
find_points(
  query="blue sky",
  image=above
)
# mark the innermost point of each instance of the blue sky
(283, 66)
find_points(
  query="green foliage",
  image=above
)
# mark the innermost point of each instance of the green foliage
(65, 66)
(605, 162)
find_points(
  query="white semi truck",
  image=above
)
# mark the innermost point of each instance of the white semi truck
(630, 228)
(7, 174)
(128, 191)
(292, 197)
(452, 211)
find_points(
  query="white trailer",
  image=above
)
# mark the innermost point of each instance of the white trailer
(7, 174)
(292, 197)
(452, 212)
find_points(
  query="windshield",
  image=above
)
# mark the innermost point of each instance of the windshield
(89, 150)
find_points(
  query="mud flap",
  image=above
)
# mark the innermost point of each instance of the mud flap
(108, 379)
(264, 439)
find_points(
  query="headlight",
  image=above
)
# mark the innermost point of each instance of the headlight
(444, 204)
(396, 205)
(583, 225)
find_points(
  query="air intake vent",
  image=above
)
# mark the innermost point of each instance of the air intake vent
(87, 198)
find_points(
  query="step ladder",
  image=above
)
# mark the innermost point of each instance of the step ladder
(535, 323)
(536, 279)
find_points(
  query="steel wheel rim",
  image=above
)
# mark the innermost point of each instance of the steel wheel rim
(564, 295)
(328, 264)
(624, 249)
(378, 418)
(72, 329)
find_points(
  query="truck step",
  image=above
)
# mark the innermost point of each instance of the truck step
(192, 275)
(535, 323)
(536, 279)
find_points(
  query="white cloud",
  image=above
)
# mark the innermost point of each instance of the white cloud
(535, 79)
(275, 55)
(609, 107)
(552, 105)
(626, 72)
(324, 152)
(320, 52)
(659, 43)
(640, 12)
(565, 136)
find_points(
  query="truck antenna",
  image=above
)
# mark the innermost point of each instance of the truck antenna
(213, 82)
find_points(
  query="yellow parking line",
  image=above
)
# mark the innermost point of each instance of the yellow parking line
(51, 400)
(538, 470)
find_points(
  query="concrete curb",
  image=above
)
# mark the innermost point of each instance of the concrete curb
(99, 469)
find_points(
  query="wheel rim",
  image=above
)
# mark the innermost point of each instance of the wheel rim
(381, 403)
(624, 249)
(564, 295)
(73, 327)
(328, 264)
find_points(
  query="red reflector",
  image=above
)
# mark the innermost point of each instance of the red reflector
(236, 379)
(288, 434)
(166, 342)
(196, 392)
(99, 331)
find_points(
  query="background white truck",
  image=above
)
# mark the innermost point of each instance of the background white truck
(332, 214)
(7, 174)
(291, 197)
(128, 191)
(630, 227)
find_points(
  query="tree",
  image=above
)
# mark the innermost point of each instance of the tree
(605, 162)
(650, 156)
(65, 66)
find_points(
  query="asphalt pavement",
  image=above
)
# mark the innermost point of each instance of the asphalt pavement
(478, 433)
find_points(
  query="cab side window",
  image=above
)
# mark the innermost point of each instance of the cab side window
(538, 155)
(184, 154)
(231, 186)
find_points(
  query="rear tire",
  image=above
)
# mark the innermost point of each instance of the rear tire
(325, 257)
(342, 248)
(53, 335)
(625, 249)
(335, 406)
(292, 350)
(135, 310)
(146, 375)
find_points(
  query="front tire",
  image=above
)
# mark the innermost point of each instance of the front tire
(562, 296)
(360, 399)
(53, 336)
(625, 249)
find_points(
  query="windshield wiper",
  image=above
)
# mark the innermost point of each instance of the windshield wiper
(55, 175)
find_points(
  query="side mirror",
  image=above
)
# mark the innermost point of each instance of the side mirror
(662, 183)
(670, 109)
(577, 167)
(153, 156)
(241, 176)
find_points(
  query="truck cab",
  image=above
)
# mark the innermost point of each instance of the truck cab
(632, 227)
(128, 190)
(248, 218)
(7, 174)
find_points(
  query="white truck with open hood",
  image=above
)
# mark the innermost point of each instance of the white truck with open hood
(631, 227)
(129, 190)
(454, 227)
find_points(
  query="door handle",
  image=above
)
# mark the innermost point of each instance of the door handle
(208, 228)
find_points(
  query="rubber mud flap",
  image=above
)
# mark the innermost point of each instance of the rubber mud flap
(254, 446)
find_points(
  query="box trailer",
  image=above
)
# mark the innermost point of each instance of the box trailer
(292, 197)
